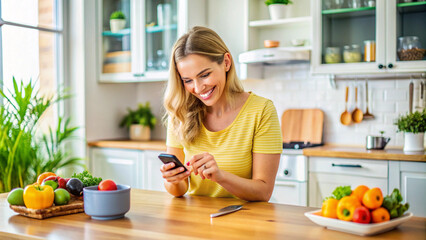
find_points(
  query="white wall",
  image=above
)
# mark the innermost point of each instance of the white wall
(291, 86)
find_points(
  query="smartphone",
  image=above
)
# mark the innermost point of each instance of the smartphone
(168, 158)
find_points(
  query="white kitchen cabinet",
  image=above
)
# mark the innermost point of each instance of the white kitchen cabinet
(121, 166)
(136, 168)
(141, 51)
(344, 25)
(258, 27)
(410, 178)
(325, 174)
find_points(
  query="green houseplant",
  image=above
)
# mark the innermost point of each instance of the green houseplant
(25, 150)
(117, 21)
(278, 8)
(413, 125)
(139, 122)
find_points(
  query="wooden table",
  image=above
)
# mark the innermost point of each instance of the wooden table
(157, 215)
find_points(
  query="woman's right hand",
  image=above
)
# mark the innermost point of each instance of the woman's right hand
(174, 175)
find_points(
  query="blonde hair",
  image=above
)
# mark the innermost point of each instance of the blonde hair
(184, 111)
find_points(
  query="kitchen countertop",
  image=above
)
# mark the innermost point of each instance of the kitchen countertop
(362, 153)
(129, 144)
(158, 215)
(323, 151)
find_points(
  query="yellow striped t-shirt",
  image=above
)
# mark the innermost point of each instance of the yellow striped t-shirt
(255, 129)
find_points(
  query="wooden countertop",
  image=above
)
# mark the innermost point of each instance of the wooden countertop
(362, 153)
(129, 144)
(158, 215)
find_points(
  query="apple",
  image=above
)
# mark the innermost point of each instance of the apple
(62, 196)
(51, 183)
(361, 215)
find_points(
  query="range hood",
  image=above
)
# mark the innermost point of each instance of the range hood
(279, 55)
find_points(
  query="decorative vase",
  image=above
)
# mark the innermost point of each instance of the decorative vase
(117, 24)
(140, 132)
(413, 142)
(279, 11)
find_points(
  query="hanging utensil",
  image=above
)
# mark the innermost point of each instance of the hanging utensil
(346, 117)
(410, 97)
(357, 114)
(367, 115)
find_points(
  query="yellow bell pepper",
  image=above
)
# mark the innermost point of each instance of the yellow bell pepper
(346, 207)
(329, 208)
(38, 197)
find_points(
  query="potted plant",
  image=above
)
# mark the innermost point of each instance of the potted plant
(139, 122)
(413, 125)
(278, 8)
(117, 21)
(26, 148)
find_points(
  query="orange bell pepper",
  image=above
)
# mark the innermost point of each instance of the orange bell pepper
(44, 175)
(329, 208)
(38, 197)
(373, 198)
(346, 207)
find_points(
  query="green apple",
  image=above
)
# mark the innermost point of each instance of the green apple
(16, 197)
(51, 183)
(62, 196)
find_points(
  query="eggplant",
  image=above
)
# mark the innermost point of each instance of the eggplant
(75, 186)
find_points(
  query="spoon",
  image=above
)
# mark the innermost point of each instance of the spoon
(367, 115)
(346, 117)
(357, 114)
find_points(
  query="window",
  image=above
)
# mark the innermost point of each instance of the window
(31, 40)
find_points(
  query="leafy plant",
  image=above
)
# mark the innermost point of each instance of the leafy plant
(117, 15)
(25, 151)
(269, 2)
(413, 122)
(142, 115)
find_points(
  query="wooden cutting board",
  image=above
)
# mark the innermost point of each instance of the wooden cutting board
(302, 125)
(74, 206)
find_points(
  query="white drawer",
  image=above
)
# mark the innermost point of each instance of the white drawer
(354, 167)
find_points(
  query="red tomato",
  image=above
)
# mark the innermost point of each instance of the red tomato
(107, 185)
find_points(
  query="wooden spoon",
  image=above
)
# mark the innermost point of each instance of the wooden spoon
(357, 114)
(346, 117)
(367, 115)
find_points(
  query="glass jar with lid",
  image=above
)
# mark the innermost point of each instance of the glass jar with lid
(369, 51)
(409, 49)
(351, 53)
(332, 55)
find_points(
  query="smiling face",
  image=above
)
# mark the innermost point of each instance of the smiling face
(204, 78)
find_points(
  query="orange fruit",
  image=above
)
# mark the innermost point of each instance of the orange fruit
(373, 198)
(380, 215)
(360, 191)
(44, 175)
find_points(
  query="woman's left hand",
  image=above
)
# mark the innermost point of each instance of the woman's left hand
(205, 165)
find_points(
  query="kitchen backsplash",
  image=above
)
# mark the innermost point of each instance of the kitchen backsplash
(292, 86)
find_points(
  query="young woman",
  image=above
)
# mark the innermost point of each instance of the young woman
(229, 139)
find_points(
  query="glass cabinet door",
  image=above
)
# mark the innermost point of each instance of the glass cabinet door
(116, 52)
(410, 38)
(348, 31)
(160, 34)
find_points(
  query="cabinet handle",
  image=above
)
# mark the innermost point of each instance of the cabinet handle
(346, 165)
(139, 74)
(390, 65)
(381, 66)
(269, 55)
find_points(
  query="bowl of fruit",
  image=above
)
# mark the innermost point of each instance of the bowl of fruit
(107, 200)
(362, 211)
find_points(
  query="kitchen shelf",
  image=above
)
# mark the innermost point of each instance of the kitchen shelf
(279, 22)
(349, 12)
(412, 7)
(411, 4)
(156, 29)
(121, 33)
(346, 10)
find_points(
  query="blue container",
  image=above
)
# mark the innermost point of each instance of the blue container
(106, 205)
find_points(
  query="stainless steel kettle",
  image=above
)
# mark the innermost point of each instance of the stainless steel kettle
(378, 143)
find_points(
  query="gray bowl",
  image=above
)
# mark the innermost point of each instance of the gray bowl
(106, 205)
